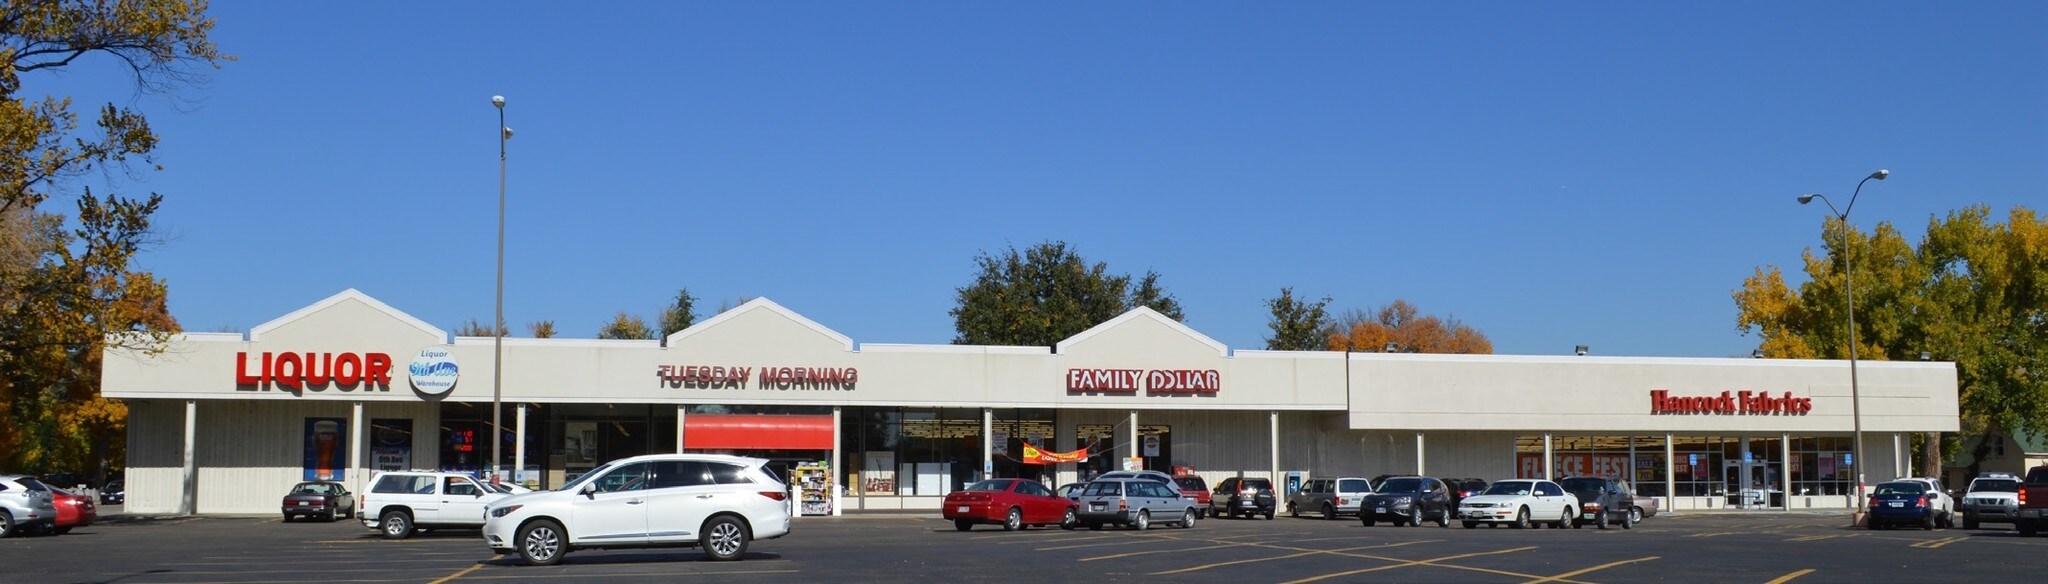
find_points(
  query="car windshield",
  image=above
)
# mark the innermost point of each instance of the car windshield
(1510, 488)
(1583, 487)
(1995, 486)
(312, 489)
(1401, 486)
(1901, 489)
(991, 486)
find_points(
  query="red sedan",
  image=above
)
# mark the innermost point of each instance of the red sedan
(1012, 503)
(73, 511)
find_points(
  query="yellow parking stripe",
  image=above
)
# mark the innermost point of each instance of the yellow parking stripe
(465, 571)
(1411, 563)
(1121, 541)
(1935, 543)
(1288, 556)
(1788, 577)
(1192, 549)
(1592, 569)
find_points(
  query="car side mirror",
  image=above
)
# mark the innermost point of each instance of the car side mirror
(588, 490)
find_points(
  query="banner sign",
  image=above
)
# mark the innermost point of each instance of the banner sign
(390, 444)
(326, 452)
(1032, 455)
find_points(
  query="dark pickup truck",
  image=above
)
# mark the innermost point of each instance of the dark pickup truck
(2033, 515)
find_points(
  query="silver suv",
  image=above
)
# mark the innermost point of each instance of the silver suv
(401, 503)
(1132, 502)
(25, 505)
(1992, 498)
(1330, 497)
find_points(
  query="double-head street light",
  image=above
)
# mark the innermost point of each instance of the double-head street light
(498, 317)
(1849, 290)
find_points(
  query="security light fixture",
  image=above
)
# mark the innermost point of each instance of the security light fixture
(1849, 297)
(1926, 356)
(1393, 347)
(1756, 354)
(1579, 350)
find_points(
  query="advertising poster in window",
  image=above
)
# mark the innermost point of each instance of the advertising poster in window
(326, 452)
(390, 444)
(579, 442)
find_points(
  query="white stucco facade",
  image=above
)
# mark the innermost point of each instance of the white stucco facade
(1223, 412)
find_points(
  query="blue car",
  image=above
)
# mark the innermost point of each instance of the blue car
(1902, 503)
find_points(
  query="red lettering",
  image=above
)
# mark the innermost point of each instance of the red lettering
(316, 377)
(378, 369)
(348, 369)
(242, 376)
(288, 371)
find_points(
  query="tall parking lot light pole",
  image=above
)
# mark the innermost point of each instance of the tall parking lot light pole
(1849, 290)
(498, 319)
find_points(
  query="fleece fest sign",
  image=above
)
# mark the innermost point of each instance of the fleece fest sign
(1530, 466)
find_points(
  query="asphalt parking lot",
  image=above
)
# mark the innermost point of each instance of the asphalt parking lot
(1800, 548)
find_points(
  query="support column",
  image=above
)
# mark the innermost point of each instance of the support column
(1418, 455)
(1134, 434)
(680, 410)
(1548, 459)
(988, 448)
(1670, 481)
(188, 502)
(1631, 479)
(1785, 469)
(519, 443)
(1273, 431)
(835, 465)
(1898, 457)
(355, 446)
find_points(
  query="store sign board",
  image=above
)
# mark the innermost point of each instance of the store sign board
(1744, 402)
(299, 372)
(1153, 382)
(433, 371)
(770, 378)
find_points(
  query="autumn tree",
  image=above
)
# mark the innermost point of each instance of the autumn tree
(1044, 294)
(1973, 292)
(626, 326)
(544, 329)
(476, 328)
(1298, 325)
(1411, 331)
(67, 285)
(680, 314)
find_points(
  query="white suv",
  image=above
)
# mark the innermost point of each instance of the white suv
(25, 504)
(1941, 499)
(716, 502)
(400, 503)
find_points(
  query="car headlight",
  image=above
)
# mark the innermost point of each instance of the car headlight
(506, 510)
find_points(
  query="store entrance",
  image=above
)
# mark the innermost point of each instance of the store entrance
(1753, 484)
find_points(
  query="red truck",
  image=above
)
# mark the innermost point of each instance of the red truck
(2033, 515)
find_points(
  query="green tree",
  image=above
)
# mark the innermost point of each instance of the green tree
(1047, 293)
(626, 326)
(679, 315)
(1298, 325)
(67, 285)
(1973, 292)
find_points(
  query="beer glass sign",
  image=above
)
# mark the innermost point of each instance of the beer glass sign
(326, 451)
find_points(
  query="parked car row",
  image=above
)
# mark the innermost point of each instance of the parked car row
(27, 506)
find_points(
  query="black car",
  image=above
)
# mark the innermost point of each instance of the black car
(1242, 496)
(1408, 501)
(115, 493)
(1602, 501)
(1462, 488)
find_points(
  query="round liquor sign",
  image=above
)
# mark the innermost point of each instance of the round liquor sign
(433, 370)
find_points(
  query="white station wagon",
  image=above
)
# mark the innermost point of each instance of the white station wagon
(1519, 502)
(716, 502)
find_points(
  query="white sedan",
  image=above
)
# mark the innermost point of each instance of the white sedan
(1517, 503)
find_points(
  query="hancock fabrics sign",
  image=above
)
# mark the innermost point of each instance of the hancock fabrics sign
(1744, 402)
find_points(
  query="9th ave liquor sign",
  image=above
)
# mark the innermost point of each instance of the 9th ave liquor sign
(1154, 382)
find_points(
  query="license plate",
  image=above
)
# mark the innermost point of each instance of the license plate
(960, 509)
(305, 503)
(1380, 510)
(1586, 516)
(1898, 503)
(1095, 507)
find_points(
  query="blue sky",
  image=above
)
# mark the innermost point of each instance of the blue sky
(1554, 173)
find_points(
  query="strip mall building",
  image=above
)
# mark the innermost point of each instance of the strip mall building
(225, 423)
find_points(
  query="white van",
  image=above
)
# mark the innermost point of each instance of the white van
(401, 503)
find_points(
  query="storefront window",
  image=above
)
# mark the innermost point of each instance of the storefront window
(1010, 430)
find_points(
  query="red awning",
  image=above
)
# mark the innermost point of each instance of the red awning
(756, 432)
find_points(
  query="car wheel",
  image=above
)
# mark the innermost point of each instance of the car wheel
(540, 543)
(287, 518)
(1415, 516)
(725, 539)
(1293, 511)
(1443, 518)
(1144, 520)
(1635, 515)
(6, 524)
(1365, 519)
(1471, 524)
(1522, 518)
(2025, 527)
(1269, 514)
(330, 515)
(1068, 521)
(1015, 521)
(61, 530)
(1969, 521)
(1927, 521)
(1604, 518)
(1576, 524)
(1565, 516)
(963, 524)
(1187, 518)
(1329, 511)
(1629, 521)
(397, 525)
